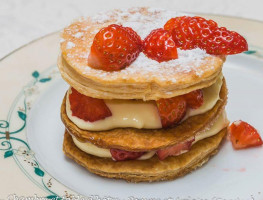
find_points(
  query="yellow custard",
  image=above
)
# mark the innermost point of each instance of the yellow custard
(92, 149)
(140, 114)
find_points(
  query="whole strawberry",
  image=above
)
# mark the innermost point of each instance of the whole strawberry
(114, 47)
(160, 46)
(191, 32)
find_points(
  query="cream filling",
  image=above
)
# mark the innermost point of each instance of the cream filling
(211, 96)
(125, 113)
(140, 114)
(92, 149)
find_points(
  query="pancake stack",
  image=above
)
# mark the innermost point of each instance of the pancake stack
(131, 95)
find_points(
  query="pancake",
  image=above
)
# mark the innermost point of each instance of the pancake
(146, 170)
(143, 79)
(132, 139)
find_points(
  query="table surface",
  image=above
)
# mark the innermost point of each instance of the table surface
(22, 21)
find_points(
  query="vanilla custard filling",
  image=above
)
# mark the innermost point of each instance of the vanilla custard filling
(92, 149)
(140, 114)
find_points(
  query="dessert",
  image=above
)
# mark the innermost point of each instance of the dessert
(147, 96)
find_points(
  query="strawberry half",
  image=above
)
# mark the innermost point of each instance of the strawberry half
(120, 155)
(171, 110)
(159, 46)
(114, 47)
(194, 99)
(192, 32)
(243, 135)
(174, 150)
(223, 41)
(88, 108)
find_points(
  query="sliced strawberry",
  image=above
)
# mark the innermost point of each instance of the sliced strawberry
(175, 150)
(87, 108)
(194, 99)
(223, 41)
(114, 47)
(243, 135)
(182, 34)
(191, 32)
(159, 46)
(171, 110)
(120, 155)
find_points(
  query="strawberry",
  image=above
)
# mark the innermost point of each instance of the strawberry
(171, 110)
(243, 135)
(114, 47)
(120, 155)
(192, 32)
(159, 46)
(87, 108)
(194, 99)
(174, 150)
(223, 41)
(187, 30)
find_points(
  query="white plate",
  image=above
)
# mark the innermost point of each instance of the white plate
(31, 133)
(227, 174)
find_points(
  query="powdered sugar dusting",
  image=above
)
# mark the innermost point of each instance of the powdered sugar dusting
(188, 62)
(70, 45)
(137, 19)
(143, 21)
(237, 123)
(78, 35)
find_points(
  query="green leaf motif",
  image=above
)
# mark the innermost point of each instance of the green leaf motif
(35, 74)
(22, 115)
(53, 197)
(39, 172)
(250, 52)
(8, 154)
(43, 80)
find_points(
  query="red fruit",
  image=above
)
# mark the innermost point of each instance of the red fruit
(194, 99)
(87, 108)
(114, 47)
(171, 110)
(159, 46)
(187, 31)
(174, 150)
(120, 155)
(243, 135)
(191, 32)
(223, 41)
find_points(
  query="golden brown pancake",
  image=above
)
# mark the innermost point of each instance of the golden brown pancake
(143, 79)
(146, 170)
(132, 139)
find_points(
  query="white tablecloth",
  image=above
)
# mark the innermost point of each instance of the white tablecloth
(24, 20)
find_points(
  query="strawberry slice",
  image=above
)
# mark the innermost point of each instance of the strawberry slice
(88, 108)
(187, 31)
(175, 150)
(120, 155)
(243, 135)
(171, 110)
(114, 47)
(159, 46)
(223, 41)
(192, 32)
(194, 99)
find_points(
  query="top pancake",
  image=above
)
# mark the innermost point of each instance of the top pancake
(144, 78)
